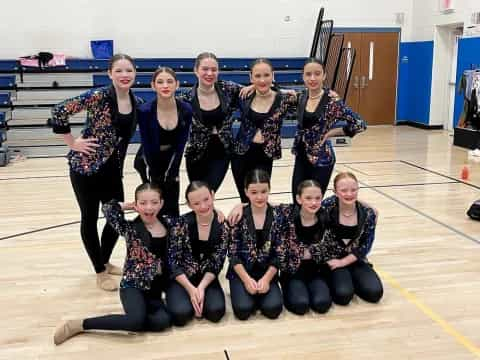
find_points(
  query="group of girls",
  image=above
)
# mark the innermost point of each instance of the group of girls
(198, 121)
(304, 256)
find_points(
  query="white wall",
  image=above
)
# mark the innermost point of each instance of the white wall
(169, 28)
(426, 16)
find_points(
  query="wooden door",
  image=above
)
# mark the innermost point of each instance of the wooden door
(372, 91)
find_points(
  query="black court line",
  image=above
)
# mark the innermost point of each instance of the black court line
(220, 199)
(440, 174)
(458, 232)
(226, 354)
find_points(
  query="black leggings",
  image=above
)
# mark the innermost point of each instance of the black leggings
(142, 313)
(306, 288)
(90, 191)
(358, 278)
(254, 158)
(244, 304)
(210, 170)
(181, 308)
(140, 165)
(304, 170)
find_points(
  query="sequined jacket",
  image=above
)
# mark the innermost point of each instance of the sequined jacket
(102, 109)
(141, 265)
(150, 137)
(243, 249)
(291, 258)
(283, 104)
(331, 113)
(180, 254)
(200, 134)
(333, 247)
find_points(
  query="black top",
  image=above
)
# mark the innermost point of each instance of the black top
(168, 137)
(200, 248)
(346, 233)
(258, 118)
(123, 124)
(306, 234)
(213, 118)
(260, 236)
(309, 119)
(158, 247)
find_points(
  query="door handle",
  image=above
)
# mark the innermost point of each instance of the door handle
(355, 81)
(363, 82)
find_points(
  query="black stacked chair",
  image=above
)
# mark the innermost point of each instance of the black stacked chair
(338, 61)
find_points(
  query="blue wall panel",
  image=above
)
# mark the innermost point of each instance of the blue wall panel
(415, 81)
(468, 57)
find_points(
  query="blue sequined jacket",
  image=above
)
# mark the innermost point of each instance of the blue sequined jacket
(291, 257)
(283, 104)
(243, 246)
(333, 247)
(331, 113)
(200, 134)
(102, 109)
(180, 254)
(141, 265)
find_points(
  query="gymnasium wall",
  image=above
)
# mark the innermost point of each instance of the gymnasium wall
(414, 97)
(145, 28)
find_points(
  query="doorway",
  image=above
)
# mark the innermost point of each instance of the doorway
(445, 49)
(373, 88)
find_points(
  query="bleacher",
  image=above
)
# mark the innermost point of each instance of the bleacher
(27, 94)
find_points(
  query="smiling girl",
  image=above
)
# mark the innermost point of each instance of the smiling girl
(164, 126)
(144, 277)
(96, 157)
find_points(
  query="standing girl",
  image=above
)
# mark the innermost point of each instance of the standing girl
(144, 277)
(164, 126)
(213, 101)
(255, 251)
(258, 141)
(96, 157)
(320, 115)
(196, 257)
(349, 236)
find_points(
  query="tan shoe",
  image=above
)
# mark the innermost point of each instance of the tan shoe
(113, 270)
(106, 282)
(66, 330)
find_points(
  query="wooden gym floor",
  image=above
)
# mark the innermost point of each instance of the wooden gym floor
(427, 253)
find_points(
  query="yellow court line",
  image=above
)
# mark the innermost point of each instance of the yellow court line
(449, 329)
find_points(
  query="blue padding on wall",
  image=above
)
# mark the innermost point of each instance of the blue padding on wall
(468, 56)
(415, 81)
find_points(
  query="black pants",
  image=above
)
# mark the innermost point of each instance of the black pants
(142, 313)
(171, 195)
(90, 191)
(358, 278)
(304, 170)
(140, 165)
(181, 308)
(212, 166)
(306, 288)
(254, 158)
(244, 304)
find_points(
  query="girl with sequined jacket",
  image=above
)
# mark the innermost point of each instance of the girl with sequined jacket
(96, 157)
(255, 251)
(145, 278)
(320, 115)
(349, 235)
(196, 256)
